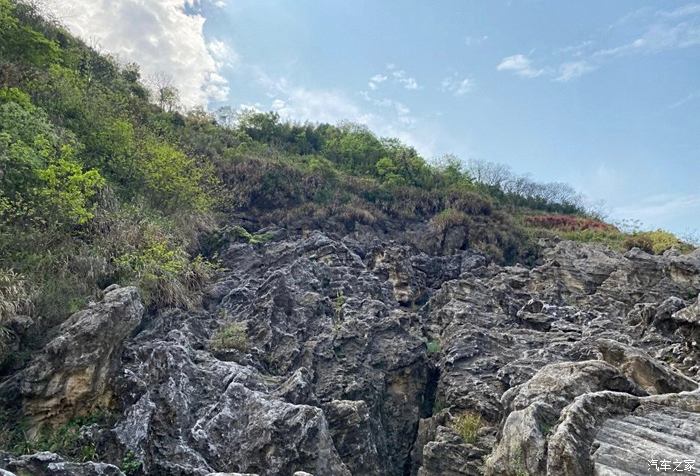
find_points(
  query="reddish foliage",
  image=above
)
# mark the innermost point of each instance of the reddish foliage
(568, 223)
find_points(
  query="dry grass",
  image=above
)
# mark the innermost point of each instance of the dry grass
(568, 223)
(15, 299)
(467, 425)
(15, 296)
(447, 219)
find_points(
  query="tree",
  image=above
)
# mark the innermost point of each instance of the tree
(67, 190)
(167, 96)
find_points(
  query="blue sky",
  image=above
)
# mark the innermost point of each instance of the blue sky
(603, 95)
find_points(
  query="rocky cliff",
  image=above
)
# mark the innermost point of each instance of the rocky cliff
(359, 355)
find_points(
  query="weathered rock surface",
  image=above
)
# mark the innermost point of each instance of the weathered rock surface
(74, 373)
(363, 352)
(50, 464)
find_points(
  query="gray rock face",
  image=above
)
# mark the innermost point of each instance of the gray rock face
(75, 372)
(50, 464)
(365, 356)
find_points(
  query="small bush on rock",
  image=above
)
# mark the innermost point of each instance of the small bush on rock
(642, 242)
(467, 425)
(252, 238)
(231, 337)
(165, 274)
(654, 242)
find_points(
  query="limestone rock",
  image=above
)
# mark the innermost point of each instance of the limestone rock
(50, 464)
(73, 374)
(362, 350)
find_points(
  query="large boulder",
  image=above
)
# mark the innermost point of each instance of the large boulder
(619, 434)
(74, 374)
(535, 407)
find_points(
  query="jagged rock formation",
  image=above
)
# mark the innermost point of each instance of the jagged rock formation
(361, 352)
(50, 464)
(74, 374)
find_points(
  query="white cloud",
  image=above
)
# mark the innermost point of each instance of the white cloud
(635, 45)
(278, 104)
(520, 65)
(573, 69)
(656, 208)
(650, 31)
(376, 80)
(403, 112)
(661, 31)
(577, 49)
(392, 119)
(162, 36)
(222, 53)
(456, 86)
(403, 78)
(398, 76)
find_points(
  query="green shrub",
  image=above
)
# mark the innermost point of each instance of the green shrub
(130, 464)
(165, 274)
(640, 241)
(15, 295)
(232, 336)
(67, 190)
(65, 440)
(22, 43)
(252, 238)
(654, 242)
(16, 95)
(467, 425)
(612, 238)
(174, 181)
(338, 304)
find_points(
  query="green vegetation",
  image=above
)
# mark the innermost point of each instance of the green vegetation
(438, 406)
(103, 180)
(130, 464)
(233, 336)
(248, 237)
(65, 439)
(655, 242)
(433, 347)
(447, 218)
(467, 425)
(592, 230)
(165, 274)
(92, 192)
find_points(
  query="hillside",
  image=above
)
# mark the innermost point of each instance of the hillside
(184, 292)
